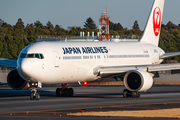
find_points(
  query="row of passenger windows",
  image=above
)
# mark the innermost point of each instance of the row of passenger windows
(32, 55)
(40, 56)
(92, 57)
(128, 56)
(79, 57)
(72, 57)
(109, 56)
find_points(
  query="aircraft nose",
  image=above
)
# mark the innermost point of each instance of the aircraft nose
(26, 67)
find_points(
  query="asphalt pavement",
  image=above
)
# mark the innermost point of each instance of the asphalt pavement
(16, 104)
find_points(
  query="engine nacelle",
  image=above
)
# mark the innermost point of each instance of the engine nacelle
(138, 80)
(16, 82)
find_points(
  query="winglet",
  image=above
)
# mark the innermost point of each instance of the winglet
(152, 30)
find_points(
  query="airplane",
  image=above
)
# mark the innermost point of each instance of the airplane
(135, 63)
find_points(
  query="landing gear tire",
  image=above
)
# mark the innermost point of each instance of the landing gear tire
(71, 92)
(134, 94)
(37, 96)
(67, 92)
(32, 96)
(127, 93)
(58, 92)
(138, 95)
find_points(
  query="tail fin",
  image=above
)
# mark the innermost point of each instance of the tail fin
(152, 30)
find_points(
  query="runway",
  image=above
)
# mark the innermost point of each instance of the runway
(15, 103)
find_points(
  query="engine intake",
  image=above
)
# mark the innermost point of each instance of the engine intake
(16, 82)
(138, 80)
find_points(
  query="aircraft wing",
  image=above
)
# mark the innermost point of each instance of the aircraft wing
(8, 62)
(167, 55)
(105, 71)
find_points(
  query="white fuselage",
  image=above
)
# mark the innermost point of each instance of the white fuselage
(70, 62)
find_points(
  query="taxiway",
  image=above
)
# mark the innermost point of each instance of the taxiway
(88, 98)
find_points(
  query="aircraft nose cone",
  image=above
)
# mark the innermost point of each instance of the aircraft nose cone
(26, 67)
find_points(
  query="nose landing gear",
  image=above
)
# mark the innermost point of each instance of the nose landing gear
(34, 95)
(64, 91)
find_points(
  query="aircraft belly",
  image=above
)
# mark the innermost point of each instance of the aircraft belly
(73, 73)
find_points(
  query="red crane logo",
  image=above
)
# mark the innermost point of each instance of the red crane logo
(157, 21)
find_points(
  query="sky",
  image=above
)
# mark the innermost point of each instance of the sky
(75, 12)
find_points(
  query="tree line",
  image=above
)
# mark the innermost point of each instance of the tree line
(14, 38)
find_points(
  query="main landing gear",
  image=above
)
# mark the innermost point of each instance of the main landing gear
(64, 91)
(34, 95)
(127, 94)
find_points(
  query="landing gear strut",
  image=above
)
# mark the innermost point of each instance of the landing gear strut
(127, 93)
(34, 95)
(64, 91)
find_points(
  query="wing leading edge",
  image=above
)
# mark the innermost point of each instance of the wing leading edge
(8, 62)
(106, 71)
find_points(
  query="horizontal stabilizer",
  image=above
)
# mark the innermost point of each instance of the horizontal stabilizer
(168, 55)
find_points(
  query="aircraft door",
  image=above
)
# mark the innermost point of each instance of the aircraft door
(106, 57)
(155, 56)
(56, 59)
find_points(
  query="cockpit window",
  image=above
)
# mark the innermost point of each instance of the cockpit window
(30, 55)
(37, 56)
(23, 55)
(41, 55)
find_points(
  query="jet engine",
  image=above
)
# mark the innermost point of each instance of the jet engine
(16, 82)
(138, 80)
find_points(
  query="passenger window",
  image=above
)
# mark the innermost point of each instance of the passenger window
(37, 56)
(23, 55)
(41, 56)
(30, 55)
